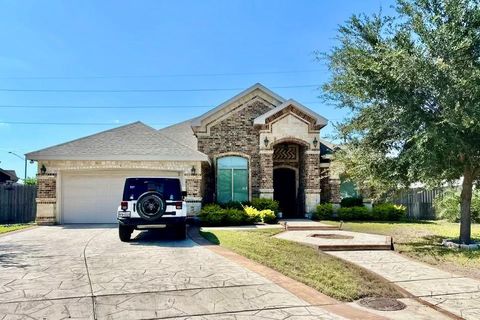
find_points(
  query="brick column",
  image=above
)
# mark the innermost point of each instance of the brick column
(46, 199)
(266, 174)
(193, 186)
(311, 167)
(335, 190)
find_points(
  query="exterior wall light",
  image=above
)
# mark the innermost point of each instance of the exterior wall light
(193, 171)
(315, 142)
(266, 142)
(43, 169)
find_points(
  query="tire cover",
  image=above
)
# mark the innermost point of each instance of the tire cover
(151, 206)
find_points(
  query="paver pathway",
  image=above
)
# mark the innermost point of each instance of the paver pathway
(456, 294)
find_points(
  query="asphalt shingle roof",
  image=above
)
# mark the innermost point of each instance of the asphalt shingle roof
(135, 141)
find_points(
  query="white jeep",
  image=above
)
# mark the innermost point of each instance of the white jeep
(150, 203)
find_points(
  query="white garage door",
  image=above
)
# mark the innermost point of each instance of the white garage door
(93, 197)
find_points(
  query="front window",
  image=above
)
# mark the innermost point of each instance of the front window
(232, 179)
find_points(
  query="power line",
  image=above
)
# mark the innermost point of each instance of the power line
(149, 90)
(153, 76)
(115, 107)
(77, 123)
(92, 123)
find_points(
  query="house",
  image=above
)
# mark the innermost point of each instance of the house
(256, 144)
(7, 176)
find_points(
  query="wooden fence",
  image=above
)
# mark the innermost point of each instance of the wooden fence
(419, 202)
(17, 203)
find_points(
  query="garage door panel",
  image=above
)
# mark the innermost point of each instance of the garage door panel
(95, 197)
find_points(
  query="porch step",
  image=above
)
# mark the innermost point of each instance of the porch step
(354, 247)
(306, 228)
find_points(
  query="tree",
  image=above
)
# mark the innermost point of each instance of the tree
(411, 82)
(30, 182)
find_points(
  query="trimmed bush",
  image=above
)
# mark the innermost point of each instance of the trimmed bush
(265, 216)
(354, 213)
(234, 205)
(214, 215)
(323, 212)
(447, 206)
(351, 202)
(388, 212)
(268, 216)
(265, 204)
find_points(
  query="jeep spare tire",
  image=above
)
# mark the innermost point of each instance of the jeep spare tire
(151, 206)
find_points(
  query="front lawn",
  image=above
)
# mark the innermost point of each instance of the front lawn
(422, 241)
(12, 227)
(318, 270)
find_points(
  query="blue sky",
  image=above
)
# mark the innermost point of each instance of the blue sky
(154, 45)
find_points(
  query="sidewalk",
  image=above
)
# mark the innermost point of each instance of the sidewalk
(448, 291)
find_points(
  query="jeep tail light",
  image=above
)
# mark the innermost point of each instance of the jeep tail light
(178, 205)
(124, 205)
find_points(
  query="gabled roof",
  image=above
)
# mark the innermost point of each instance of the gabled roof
(318, 118)
(135, 141)
(198, 121)
(11, 174)
(182, 133)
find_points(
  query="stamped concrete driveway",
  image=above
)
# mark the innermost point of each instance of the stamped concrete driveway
(87, 273)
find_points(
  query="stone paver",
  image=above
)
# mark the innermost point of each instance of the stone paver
(458, 295)
(359, 239)
(43, 275)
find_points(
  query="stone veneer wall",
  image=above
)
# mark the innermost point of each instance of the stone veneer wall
(236, 134)
(311, 163)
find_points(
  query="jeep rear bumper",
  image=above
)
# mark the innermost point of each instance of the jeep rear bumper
(139, 221)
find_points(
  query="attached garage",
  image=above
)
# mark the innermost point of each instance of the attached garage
(94, 196)
(81, 181)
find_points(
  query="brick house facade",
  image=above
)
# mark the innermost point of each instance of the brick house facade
(256, 144)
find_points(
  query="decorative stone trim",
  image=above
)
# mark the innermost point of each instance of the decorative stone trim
(313, 190)
(45, 221)
(266, 151)
(266, 190)
(46, 200)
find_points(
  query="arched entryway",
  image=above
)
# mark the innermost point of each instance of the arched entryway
(285, 186)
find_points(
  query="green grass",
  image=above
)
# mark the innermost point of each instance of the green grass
(422, 241)
(12, 227)
(318, 270)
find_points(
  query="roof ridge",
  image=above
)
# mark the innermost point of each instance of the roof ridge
(92, 135)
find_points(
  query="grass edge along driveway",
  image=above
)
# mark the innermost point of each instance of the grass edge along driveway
(326, 274)
(421, 240)
(4, 228)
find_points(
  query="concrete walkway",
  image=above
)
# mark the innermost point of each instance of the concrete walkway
(75, 272)
(448, 291)
(338, 239)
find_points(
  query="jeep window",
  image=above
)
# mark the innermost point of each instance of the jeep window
(170, 189)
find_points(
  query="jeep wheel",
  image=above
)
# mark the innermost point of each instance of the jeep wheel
(151, 206)
(181, 231)
(124, 232)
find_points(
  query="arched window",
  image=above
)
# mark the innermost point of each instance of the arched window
(232, 179)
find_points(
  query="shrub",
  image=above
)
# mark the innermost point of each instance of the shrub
(447, 206)
(214, 215)
(354, 213)
(323, 212)
(252, 213)
(234, 205)
(388, 212)
(349, 202)
(265, 204)
(265, 216)
(268, 216)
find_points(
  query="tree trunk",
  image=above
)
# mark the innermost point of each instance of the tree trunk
(466, 202)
